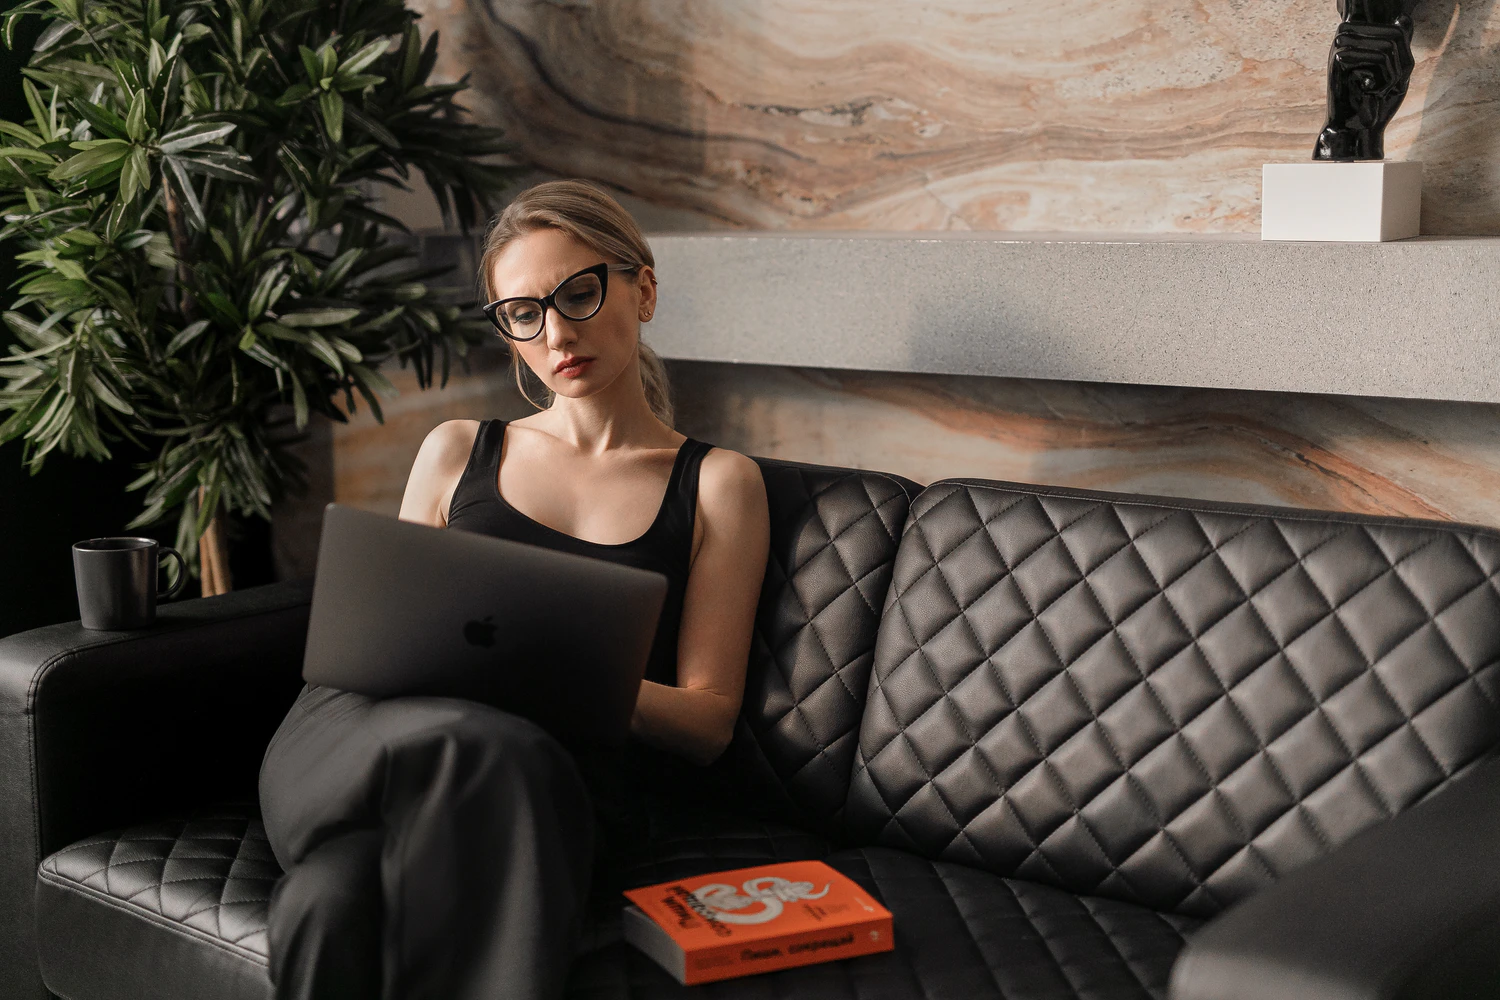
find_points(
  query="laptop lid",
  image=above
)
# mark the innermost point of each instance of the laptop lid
(407, 609)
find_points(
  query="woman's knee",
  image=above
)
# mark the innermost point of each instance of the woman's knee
(474, 740)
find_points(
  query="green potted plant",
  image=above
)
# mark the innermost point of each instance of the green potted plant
(204, 263)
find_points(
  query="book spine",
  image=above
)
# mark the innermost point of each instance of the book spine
(787, 951)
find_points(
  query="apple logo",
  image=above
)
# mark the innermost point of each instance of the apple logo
(480, 632)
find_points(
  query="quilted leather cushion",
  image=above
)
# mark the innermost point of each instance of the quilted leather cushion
(1164, 702)
(169, 909)
(833, 542)
(961, 934)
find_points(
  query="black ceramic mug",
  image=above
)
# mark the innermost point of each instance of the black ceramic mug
(116, 580)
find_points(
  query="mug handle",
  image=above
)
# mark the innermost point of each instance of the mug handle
(182, 573)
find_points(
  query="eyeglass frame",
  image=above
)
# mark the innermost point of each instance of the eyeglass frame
(548, 301)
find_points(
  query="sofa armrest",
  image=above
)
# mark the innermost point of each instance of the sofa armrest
(1409, 910)
(103, 729)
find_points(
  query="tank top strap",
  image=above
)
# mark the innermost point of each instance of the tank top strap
(477, 483)
(682, 488)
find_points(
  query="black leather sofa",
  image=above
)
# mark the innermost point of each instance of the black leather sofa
(1083, 745)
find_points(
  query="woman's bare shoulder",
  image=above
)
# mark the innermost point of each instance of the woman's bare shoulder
(448, 443)
(728, 480)
(436, 470)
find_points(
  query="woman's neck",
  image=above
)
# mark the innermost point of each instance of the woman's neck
(616, 416)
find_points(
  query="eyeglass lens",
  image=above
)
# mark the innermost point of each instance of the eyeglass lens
(578, 299)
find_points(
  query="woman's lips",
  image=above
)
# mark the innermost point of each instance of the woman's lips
(572, 367)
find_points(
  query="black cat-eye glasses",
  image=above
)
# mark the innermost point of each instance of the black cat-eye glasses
(577, 297)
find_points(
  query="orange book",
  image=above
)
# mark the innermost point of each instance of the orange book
(750, 920)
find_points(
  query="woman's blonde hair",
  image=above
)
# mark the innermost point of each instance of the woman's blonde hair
(596, 220)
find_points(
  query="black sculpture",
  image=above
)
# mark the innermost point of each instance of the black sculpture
(1369, 67)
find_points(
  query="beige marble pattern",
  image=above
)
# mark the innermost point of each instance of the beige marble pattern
(1395, 457)
(1074, 115)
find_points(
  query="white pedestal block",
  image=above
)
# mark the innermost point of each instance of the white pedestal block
(1361, 202)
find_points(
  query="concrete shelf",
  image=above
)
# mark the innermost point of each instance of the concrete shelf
(1418, 318)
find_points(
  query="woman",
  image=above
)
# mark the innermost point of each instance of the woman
(442, 848)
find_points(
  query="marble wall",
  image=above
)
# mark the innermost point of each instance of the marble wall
(1408, 458)
(1130, 115)
(1076, 115)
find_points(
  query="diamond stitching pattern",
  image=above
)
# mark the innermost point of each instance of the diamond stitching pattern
(833, 541)
(211, 873)
(1174, 704)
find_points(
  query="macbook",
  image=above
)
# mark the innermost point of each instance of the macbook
(406, 609)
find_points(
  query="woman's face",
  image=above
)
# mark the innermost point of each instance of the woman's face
(574, 358)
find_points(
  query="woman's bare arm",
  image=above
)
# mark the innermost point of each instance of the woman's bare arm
(696, 718)
(436, 470)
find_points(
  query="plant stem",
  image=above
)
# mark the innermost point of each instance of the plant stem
(213, 566)
(181, 248)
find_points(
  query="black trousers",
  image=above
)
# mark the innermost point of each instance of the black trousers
(433, 847)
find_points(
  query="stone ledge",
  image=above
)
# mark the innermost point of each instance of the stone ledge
(1418, 318)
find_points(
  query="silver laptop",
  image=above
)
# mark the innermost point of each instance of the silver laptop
(406, 609)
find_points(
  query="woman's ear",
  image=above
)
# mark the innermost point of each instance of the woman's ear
(646, 284)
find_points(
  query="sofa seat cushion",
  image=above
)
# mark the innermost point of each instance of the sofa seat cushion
(961, 933)
(168, 909)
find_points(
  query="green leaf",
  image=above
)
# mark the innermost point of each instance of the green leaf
(411, 55)
(226, 165)
(339, 269)
(135, 121)
(381, 134)
(260, 299)
(331, 105)
(189, 197)
(38, 111)
(318, 317)
(71, 269)
(22, 153)
(219, 304)
(185, 336)
(295, 93)
(156, 57)
(111, 152)
(136, 175)
(299, 401)
(325, 352)
(69, 8)
(364, 57)
(103, 120)
(247, 341)
(159, 252)
(346, 350)
(194, 135)
(374, 380)
(359, 81)
(107, 396)
(55, 33)
(18, 132)
(137, 239)
(328, 59)
(310, 63)
(29, 331)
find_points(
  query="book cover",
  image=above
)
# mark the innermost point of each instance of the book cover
(748, 920)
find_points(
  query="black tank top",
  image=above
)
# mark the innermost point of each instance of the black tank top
(666, 546)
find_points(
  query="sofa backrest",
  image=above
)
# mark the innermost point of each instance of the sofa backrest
(1163, 701)
(833, 541)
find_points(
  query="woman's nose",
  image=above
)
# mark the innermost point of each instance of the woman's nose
(559, 330)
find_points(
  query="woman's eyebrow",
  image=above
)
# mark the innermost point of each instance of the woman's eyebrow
(537, 295)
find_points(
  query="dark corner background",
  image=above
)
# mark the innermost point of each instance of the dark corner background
(42, 515)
